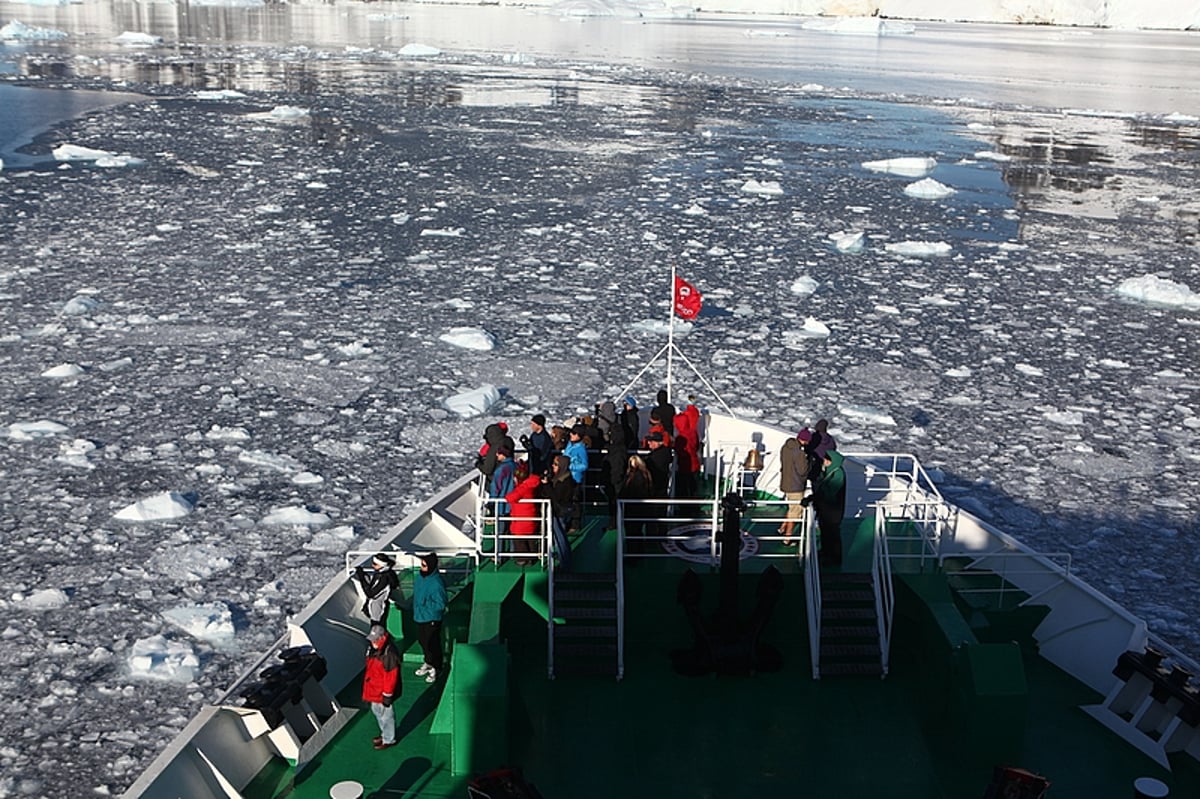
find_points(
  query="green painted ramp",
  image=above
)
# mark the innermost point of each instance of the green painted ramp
(474, 708)
(492, 587)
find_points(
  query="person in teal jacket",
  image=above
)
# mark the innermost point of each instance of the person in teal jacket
(429, 605)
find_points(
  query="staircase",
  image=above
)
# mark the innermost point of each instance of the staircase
(849, 627)
(585, 625)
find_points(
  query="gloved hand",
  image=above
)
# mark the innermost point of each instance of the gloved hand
(387, 700)
(806, 501)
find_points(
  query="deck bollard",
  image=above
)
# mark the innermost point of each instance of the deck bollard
(346, 789)
(1150, 788)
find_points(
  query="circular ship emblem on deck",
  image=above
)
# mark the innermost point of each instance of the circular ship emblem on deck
(692, 542)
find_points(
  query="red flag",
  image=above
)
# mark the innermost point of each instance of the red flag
(687, 299)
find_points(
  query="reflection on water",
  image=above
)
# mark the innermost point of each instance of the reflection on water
(1041, 159)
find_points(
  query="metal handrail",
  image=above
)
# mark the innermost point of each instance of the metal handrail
(498, 553)
(885, 592)
(620, 595)
(812, 592)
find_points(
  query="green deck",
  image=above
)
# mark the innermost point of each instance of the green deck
(935, 727)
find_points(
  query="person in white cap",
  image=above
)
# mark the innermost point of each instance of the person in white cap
(378, 584)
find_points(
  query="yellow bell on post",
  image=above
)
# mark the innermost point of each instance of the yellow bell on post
(753, 462)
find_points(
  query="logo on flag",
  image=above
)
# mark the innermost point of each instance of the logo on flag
(687, 299)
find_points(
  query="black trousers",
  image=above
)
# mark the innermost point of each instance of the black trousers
(429, 636)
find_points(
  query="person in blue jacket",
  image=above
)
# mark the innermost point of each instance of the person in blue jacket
(576, 452)
(429, 605)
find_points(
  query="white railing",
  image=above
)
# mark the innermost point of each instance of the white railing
(490, 543)
(885, 591)
(812, 592)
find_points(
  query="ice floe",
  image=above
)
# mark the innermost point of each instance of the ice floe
(469, 338)
(1155, 290)
(159, 507)
(906, 166)
(928, 189)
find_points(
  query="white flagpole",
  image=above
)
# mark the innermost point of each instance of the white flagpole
(671, 334)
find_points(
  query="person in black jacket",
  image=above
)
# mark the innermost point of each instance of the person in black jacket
(539, 445)
(637, 486)
(378, 584)
(559, 488)
(495, 436)
(615, 460)
(666, 412)
(631, 421)
(659, 464)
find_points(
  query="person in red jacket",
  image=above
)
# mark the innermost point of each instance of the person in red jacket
(381, 684)
(525, 513)
(687, 454)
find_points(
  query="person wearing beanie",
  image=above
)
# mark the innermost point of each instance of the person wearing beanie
(429, 606)
(381, 684)
(666, 413)
(539, 445)
(631, 421)
(560, 489)
(378, 583)
(504, 479)
(793, 480)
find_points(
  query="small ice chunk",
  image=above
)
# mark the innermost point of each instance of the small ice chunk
(302, 517)
(414, 50)
(1029, 370)
(167, 505)
(64, 371)
(928, 189)
(157, 658)
(905, 166)
(475, 402)
(766, 188)
(27, 431)
(44, 599)
(137, 39)
(210, 621)
(804, 286)
(848, 241)
(919, 249)
(469, 338)
(1155, 290)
